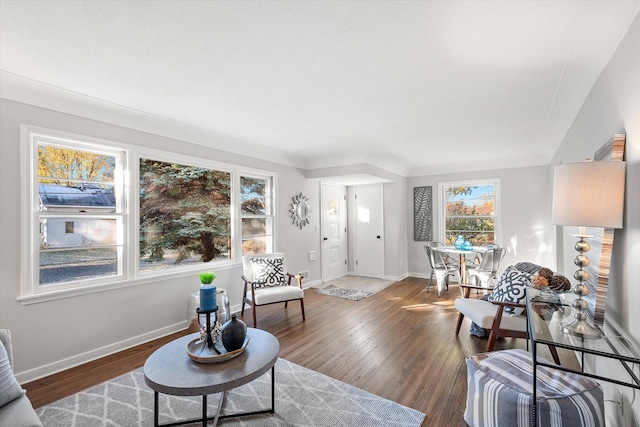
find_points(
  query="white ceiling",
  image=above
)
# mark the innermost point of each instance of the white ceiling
(412, 87)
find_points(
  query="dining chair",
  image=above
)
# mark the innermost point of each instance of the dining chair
(440, 269)
(486, 273)
(431, 259)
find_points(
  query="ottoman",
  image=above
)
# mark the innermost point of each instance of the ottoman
(500, 393)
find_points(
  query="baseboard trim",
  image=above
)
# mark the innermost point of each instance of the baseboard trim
(418, 275)
(396, 278)
(89, 356)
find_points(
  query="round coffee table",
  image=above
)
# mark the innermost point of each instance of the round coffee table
(169, 370)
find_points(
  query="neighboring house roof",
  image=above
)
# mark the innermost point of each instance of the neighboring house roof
(88, 196)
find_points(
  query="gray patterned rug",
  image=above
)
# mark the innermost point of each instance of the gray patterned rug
(354, 287)
(303, 398)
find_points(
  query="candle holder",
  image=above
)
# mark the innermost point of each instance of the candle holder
(210, 333)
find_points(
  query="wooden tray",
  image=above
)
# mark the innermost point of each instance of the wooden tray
(199, 352)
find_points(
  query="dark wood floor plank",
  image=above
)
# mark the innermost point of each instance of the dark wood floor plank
(398, 344)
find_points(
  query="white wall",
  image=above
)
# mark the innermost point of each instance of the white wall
(524, 214)
(613, 106)
(81, 328)
(53, 335)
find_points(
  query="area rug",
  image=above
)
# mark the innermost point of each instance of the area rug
(354, 287)
(303, 398)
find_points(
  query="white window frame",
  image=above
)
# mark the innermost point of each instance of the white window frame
(270, 201)
(31, 138)
(186, 160)
(470, 183)
(127, 207)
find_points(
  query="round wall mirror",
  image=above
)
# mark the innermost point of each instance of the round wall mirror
(300, 210)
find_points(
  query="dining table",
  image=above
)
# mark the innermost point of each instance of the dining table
(462, 257)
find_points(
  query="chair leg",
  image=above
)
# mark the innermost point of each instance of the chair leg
(302, 308)
(286, 304)
(430, 279)
(554, 353)
(459, 324)
(242, 309)
(255, 322)
(493, 336)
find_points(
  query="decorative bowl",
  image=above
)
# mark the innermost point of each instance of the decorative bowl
(198, 351)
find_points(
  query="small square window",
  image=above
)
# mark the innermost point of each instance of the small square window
(68, 227)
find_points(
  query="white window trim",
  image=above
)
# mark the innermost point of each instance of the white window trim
(272, 201)
(32, 293)
(471, 183)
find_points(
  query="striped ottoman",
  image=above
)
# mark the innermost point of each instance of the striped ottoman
(500, 393)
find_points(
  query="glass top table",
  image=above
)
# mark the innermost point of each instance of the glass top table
(550, 310)
(547, 311)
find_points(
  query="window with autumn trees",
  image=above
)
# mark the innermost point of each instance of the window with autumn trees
(77, 213)
(470, 209)
(105, 212)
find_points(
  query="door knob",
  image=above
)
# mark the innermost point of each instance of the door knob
(378, 237)
(324, 238)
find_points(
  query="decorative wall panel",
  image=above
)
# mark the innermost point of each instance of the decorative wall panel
(423, 214)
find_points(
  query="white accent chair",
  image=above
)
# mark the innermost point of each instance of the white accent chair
(266, 281)
(490, 315)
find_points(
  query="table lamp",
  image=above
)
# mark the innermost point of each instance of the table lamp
(588, 194)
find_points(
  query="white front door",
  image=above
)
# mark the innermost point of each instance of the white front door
(369, 228)
(334, 232)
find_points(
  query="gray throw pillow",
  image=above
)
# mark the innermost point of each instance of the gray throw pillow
(512, 287)
(9, 387)
(527, 267)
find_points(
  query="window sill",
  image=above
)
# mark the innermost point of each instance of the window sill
(53, 295)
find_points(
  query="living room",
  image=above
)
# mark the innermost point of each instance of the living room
(57, 330)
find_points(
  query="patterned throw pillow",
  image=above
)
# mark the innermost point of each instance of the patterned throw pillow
(268, 272)
(512, 287)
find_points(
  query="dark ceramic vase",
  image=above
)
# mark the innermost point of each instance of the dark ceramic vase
(233, 334)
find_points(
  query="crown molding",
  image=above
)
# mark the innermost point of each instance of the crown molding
(20, 89)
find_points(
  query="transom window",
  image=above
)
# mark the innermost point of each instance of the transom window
(470, 209)
(105, 212)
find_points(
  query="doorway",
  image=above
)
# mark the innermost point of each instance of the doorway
(333, 231)
(369, 240)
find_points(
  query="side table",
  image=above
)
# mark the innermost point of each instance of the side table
(169, 370)
(545, 314)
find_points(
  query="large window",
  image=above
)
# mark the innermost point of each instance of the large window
(78, 211)
(185, 215)
(104, 213)
(470, 209)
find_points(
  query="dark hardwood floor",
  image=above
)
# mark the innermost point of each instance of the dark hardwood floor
(398, 344)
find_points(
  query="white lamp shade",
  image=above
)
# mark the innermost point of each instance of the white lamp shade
(589, 194)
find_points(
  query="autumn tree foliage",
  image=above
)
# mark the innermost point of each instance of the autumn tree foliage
(186, 209)
(474, 221)
(70, 167)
